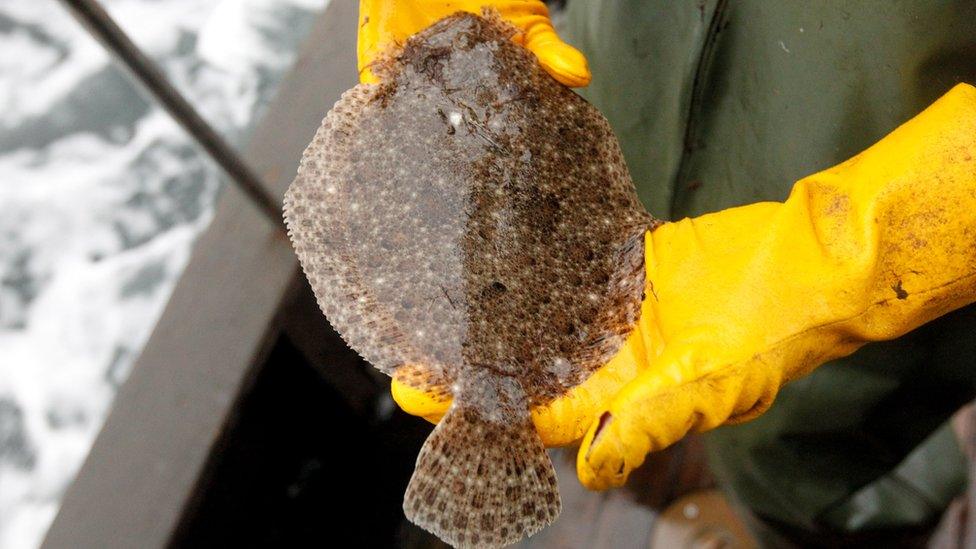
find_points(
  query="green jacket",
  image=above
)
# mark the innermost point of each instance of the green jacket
(720, 103)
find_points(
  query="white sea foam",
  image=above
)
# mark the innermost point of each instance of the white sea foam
(101, 197)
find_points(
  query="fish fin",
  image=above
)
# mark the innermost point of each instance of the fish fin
(481, 482)
(316, 213)
(431, 381)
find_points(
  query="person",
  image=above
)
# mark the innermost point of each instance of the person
(843, 296)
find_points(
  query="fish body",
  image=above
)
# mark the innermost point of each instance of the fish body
(469, 225)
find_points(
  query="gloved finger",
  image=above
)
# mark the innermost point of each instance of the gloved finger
(658, 408)
(385, 24)
(379, 21)
(564, 62)
(418, 400)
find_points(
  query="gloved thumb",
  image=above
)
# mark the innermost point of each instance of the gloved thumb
(663, 404)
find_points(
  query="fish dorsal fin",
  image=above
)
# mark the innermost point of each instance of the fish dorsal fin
(318, 214)
(483, 479)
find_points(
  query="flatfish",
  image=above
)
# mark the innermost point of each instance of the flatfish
(468, 224)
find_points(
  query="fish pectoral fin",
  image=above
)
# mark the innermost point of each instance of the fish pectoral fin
(482, 483)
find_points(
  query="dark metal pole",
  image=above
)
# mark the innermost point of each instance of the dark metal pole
(100, 24)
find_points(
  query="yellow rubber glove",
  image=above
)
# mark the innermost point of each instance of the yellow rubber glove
(741, 301)
(386, 24)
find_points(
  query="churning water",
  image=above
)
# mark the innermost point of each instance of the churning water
(101, 197)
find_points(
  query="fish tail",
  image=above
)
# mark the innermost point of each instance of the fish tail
(482, 480)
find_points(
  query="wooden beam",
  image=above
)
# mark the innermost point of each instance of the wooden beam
(216, 329)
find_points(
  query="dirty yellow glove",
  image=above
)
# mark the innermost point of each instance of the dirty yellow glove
(385, 24)
(741, 301)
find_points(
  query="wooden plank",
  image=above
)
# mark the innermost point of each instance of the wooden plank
(148, 458)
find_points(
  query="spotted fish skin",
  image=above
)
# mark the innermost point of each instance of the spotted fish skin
(469, 225)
